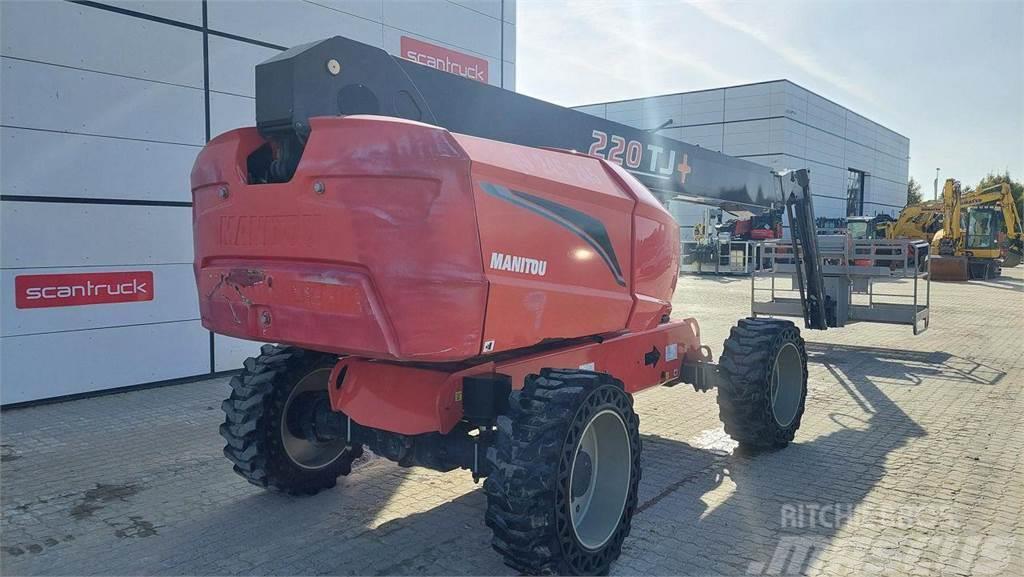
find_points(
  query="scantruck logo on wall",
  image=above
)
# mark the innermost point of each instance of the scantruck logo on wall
(68, 290)
(444, 59)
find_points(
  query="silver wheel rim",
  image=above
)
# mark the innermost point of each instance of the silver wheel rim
(786, 384)
(307, 454)
(599, 479)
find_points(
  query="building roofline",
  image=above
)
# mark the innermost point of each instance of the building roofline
(777, 80)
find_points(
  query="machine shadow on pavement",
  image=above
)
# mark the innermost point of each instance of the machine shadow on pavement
(733, 513)
(1002, 282)
(705, 508)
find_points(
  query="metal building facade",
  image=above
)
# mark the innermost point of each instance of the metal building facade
(104, 108)
(784, 126)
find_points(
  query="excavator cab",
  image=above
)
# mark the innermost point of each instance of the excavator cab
(982, 224)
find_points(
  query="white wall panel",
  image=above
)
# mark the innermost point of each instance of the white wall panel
(703, 107)
(860, 130)
(747, 138)
(510, 10)
(628, 112)
(51, 365)
(491, 8)
(746, 107)
(825, 115)
(510, 76)
(509, 50)
(188, 11)
(872, 209)
(887, 192)
(369, 9)
(705, 135)
(290, 23)
(827, 180)
(774, 161)
(660, 109)
(436, 21)
(64, 235)
(824, 147)
(825, 207)
(174, 299)
(788, 100)
(597, 110)
(654, 117)
(51, 164)
(83, 85)
(229, 352)
(178, 61)
(61, 99)
(788, 137)
(233, 65)
(858, 156)
(749, 90)
(228, 112)
(630, 106)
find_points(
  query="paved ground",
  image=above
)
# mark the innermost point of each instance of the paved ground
(909, 462)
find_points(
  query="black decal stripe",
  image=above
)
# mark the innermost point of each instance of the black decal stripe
(586, 227)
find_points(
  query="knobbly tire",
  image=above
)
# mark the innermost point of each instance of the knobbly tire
(763, 396)
(262, 442)
(540, 470)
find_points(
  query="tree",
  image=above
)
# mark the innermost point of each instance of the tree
(913, 192)
(1016, 187)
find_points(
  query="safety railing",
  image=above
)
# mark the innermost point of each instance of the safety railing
(738, 257)
(866, 280)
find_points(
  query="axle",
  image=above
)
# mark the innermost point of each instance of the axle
(463, 447)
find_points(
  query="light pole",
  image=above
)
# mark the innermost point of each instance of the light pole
(935, 196)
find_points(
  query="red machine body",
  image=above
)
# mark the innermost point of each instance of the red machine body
(400, 240)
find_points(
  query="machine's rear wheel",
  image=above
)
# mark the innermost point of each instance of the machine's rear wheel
(565, 467)
(271, 402)
(762, 399)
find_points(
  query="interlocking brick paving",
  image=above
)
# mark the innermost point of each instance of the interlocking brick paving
(908, 462)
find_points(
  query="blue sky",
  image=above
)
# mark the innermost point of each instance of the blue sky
(947, 75)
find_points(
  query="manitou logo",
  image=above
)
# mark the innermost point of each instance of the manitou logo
(443, 59)
(68, 290)
(520, 264)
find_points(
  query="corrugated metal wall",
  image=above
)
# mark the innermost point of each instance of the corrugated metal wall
(104, 106)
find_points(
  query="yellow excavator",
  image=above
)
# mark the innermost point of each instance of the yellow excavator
(969, 244)
(916, 221)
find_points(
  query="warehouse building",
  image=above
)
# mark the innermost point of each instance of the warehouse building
(858, 167)
(105, 105)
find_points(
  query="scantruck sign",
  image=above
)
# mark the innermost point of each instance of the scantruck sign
(444, 59)
(92, 288)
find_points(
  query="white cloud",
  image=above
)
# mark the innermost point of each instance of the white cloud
(633, 27)
(715, 10)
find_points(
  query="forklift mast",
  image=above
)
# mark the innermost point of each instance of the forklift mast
(339, 76)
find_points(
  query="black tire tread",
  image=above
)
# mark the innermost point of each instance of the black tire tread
(252, 416)
(527, 459)
(744, 406)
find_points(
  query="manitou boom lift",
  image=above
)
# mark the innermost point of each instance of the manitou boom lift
(465, 277)
(339, 76)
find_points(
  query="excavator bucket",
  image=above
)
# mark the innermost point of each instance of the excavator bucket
(1013, 257)
(948, 268)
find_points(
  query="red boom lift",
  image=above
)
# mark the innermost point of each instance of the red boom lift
(448, 294)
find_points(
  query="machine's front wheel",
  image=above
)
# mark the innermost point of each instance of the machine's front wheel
(267, 418)
(565, 467)
(762, 399)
